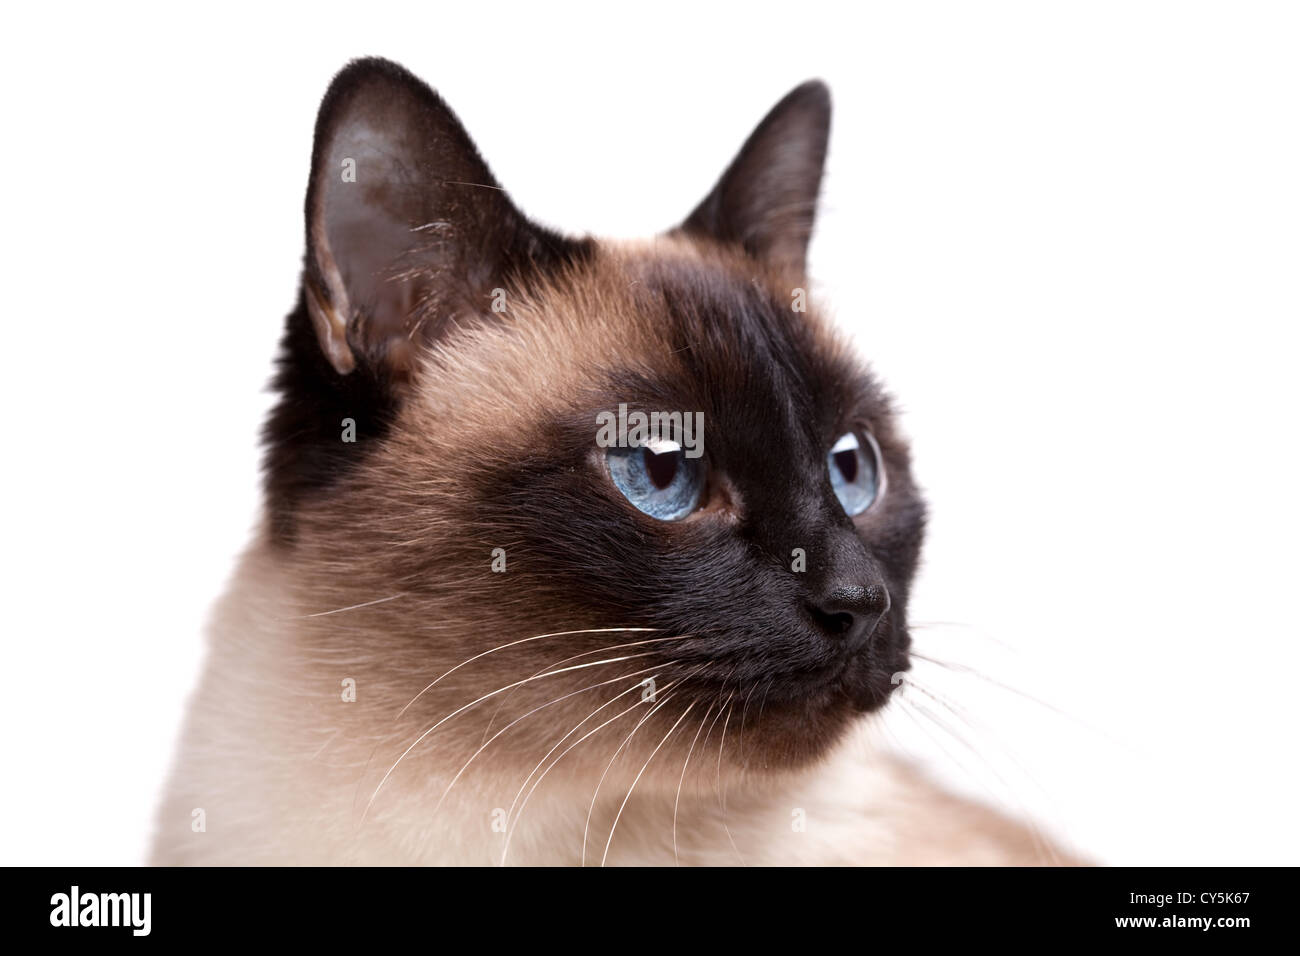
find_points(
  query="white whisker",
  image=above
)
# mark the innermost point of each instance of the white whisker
(626, 740)
(597, 650)
(465, 707)
(510, 829)
(351, 607)
(525, 640)
(529, 714)
(682, 779)
(637, 778)
(722, 790)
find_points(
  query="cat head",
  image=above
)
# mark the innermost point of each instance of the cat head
(457, 453)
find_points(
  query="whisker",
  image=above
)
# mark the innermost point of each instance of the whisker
(562, 739)
(549, 703)
(1064, 714)
(979, 727)
(744, 713)
(340, 610)
(914, 708)
(510, 829)
(967, 669)
(722, 790)
(1039, 838)
(596, 793)
(637, 778)
(763, 702)
(597, 650)
(974, 631)
(465, 707)
(909, 708)
(525, 640)
(682, 779)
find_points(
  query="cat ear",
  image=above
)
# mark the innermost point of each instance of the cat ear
(405, 225)
(767, 199)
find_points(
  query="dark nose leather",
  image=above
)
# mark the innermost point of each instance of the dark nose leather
(849, 613)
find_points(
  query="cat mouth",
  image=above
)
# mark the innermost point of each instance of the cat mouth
(793, 718)
(860, 681)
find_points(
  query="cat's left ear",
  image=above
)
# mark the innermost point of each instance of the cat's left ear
(766, 201)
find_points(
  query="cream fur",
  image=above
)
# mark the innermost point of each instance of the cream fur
(279, 776)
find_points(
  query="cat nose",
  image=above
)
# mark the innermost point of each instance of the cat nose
(849, 613)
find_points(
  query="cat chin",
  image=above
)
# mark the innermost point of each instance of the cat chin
(805, 727)
(864, 685)
(874, 690)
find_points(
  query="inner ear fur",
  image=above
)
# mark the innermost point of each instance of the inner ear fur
(406, 226)
(766, 201)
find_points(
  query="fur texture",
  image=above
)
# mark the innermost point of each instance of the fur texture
(623, 689)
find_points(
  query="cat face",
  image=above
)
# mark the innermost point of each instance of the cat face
(755, 575)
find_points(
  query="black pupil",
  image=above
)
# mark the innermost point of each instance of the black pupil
(847, 462)
(662, 469)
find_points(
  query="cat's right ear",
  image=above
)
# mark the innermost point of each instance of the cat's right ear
(405, 225)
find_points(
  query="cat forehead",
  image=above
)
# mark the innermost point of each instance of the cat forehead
(665, 323)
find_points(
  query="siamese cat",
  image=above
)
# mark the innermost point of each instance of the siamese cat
(483, 624)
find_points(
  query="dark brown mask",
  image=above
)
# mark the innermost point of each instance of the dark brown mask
(474, 354)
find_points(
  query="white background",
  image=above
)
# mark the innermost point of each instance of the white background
(1066, 235)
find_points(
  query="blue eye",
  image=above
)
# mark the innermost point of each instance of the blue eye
(658, 479)
(856, 472)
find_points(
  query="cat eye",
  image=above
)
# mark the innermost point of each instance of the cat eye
(657, 478)
(856, 471)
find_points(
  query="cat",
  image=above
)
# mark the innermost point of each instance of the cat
(468, 632)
